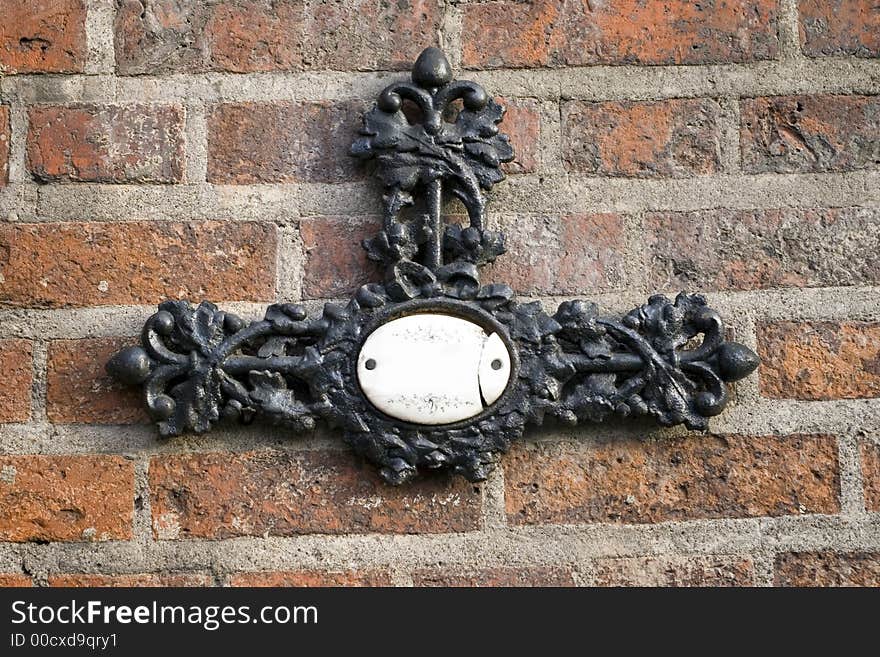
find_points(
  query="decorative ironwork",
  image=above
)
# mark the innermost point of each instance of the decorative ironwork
(199, 365)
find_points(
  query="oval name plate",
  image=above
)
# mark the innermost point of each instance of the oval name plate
(432, 368)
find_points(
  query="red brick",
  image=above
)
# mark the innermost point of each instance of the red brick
(494, 577)
(669, 138)
(159, 36)
(664, 571)
(827, 569)
(753, 249)
(522, 123)
(65, 498)
(804, 134)
(282, 142)
(106, 143)
(5, 141)
(511, 34)
(688, 478)
(79, 388)
(94, 264)
(139, 580)
(870, 453)
(575, 33)
(366, 35)
(335, 262)
(16, 362)
(819, 360)
(42, 36)
(249, 37)
(246, 36)
(840, 27)
(312, 578)
(11, 580)
(222, 494)
(573, 254)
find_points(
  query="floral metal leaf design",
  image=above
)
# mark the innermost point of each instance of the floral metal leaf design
(199, 365)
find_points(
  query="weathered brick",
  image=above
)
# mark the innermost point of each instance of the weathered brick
(79, 388)
(511, 34)
(870, 457)
(574, 33)
(522, 123)
(16, 363)
(335, 262)
(676, 32)
(686, 478)
(87, 264)
(365, 35)
(106, 143)
(42, 36)
(840, 27)
(139, 580)
(494, 577)
(819, 360)
(221, 494)
(753, 249)
(668, 138)
(12, 580)
(157, 36)
(65, 498)
(282, 142)
(713, 570)
(312, 578)
(246, 36)
(572, 254)
(5, 142)
(803, 134)
(827, 569)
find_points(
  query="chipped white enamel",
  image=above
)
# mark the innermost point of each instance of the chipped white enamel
(432, 368)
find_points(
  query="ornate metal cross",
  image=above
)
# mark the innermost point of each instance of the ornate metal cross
(198, 365)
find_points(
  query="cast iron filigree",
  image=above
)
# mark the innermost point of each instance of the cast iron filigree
(199, 365)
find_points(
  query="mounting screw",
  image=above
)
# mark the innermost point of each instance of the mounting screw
(370, 364)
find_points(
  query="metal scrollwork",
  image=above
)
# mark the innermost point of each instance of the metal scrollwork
(667, 359)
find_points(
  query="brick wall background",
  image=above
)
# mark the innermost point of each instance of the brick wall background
(155, 149)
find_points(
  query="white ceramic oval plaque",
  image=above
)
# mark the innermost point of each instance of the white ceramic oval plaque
(432, 368)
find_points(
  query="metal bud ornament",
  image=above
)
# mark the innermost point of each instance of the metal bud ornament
(433, 368)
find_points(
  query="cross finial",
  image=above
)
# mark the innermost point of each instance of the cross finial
(458, 150)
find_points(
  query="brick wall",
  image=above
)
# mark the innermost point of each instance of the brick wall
(153, 149)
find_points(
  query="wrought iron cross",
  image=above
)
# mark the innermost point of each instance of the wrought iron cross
(198, 365)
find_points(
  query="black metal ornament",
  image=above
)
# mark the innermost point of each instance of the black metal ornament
(199, 365)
